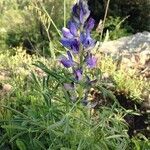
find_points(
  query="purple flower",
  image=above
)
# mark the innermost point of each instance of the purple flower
(91, 61)
(80, 12)
(78, 74)
(77, 38)
(66, 33)
(76, 10)
(72, 44)
(71, 31)
(90, 24)
(73, 28)
(87, 41)
(84, 11)
(69, 86)
(76, 14)
(75, 46)
(67, 62)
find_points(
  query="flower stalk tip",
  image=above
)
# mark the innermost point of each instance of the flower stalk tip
(77, 38)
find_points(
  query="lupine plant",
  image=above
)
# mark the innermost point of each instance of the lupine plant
(79, 43)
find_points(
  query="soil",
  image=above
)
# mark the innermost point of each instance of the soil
(137, 123)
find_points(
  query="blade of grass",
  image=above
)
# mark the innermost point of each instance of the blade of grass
(64, 13)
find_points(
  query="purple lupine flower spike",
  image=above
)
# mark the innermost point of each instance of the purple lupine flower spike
(67, 62)
(91, 61)
(77, 38)
(73, 38)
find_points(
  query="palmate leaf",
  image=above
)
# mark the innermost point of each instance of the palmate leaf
(2, 140)
(39, 144)
(60, 75)
(20, 144)
(16, 136)
(14, 127)
(107, 93)
(35, 79)
(56, 124)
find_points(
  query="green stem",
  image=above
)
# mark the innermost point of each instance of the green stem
(106, 11)
(64, 13)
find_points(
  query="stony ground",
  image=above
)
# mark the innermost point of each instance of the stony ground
(132, 52)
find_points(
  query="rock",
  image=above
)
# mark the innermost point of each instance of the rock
(4, 75)
(139, 42)
(40, 72)
(2, 78)
(7, 88)
(133, 52)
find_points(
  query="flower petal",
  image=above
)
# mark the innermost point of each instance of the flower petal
(87, 41)
(73, 28)
(67, 62)
(66, 33)
(75, 10)
(90, 24)
(72, 44)
(81, 16)
(75, 46)
(78, 74)
(66, 42)
(91, 61)
(84, 11)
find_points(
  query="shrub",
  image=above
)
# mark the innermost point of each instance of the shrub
(28, 23)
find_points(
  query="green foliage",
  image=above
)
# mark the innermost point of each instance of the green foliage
(125, 81)
(115, 28)
(17, 67)
(32, 24)
(139, 144)
(137, 10)
(54, 122)
(38, 113)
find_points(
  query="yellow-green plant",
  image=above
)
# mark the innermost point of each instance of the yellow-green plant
(125, 81)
